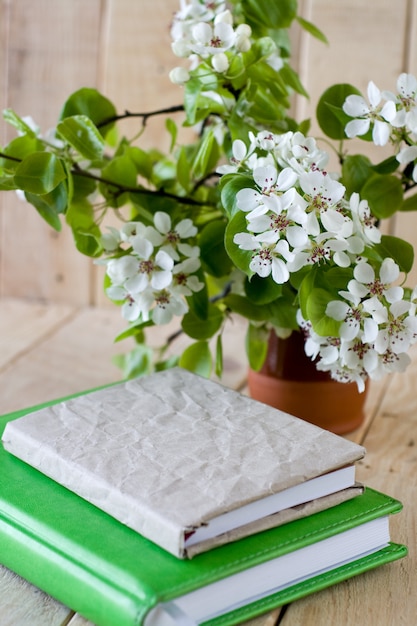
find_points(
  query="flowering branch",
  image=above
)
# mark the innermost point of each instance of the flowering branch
(246, 219)
(138, 190)
(145, 116)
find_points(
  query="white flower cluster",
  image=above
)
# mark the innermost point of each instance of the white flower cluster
(204, 30)
(392, 116)
(155, 268)
(297, 215)
(378, 327)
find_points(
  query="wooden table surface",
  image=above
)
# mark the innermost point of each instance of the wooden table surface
(47, 352)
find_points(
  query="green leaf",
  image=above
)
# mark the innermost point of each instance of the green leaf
(218, 369)
(336, 277)
(7, 183)
(315, 284)
(401, 251)
(196, 328)
(256, 346)
(82, 186)
(282, 313)
(241, 258)
(136, 362)
(266, 99)
(80, 217)
(197, 358)
(292, 80)
(230, 185)
(330, 115)
(356, 170)
(39, 173)
(90, 103)
(214, 258)
(387, 166)
(207, 156)
(316, 312)
(12, 118)
(199, 300)
(384, 195)
(262, 290)
(312, 29)
(120, 170)
(241, 305)
(410, 203)
(173, 131)
(134, 331)
(141, 159)
(236, 72)
(18, 149)
(46, 210)
(270, 14)
(305, 288)
(80, 132)
(197, 104)
(184, 170)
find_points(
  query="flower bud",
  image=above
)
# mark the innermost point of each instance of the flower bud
(179, 75)
(244, 30)
(180, 48)
(220, 62)
(242, 43)
(224, 16)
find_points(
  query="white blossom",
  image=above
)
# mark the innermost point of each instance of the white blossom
(381, 115)
(365, 282)
(364, 221)
(405, 102)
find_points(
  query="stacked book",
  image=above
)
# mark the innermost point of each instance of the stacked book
(171, 500)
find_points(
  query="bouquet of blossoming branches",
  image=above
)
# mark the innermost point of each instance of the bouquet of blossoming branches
(246, 219)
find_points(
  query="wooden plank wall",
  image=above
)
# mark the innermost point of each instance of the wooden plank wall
(49, 48)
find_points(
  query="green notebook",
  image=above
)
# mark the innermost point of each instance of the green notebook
(115, 577)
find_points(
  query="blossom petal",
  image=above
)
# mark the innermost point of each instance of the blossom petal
(265, 177)
(355, 106)
(357, 127)
(337, 309)
(280, 273)
(161, 280)
(374, 94)
(162, 222)
(407, 85)
(389, 271)
(364, 273)
(260, 266)
(239, 149)
(381, 133)
(248, 199)
(130, 310)
(164, 260)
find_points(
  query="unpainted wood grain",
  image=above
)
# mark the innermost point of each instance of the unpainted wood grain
(23, 325)
(76, 357)
(52, 51)
(405, 224)
(22, 604)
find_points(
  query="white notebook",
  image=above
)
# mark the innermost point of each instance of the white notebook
(184, 461)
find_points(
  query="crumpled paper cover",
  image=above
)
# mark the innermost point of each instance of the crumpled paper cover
(167, 452)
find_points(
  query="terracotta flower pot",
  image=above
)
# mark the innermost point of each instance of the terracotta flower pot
(290, 381)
